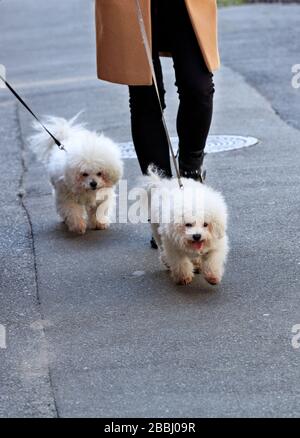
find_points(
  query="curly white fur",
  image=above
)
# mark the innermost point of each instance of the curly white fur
(193, 238)
(83, 177)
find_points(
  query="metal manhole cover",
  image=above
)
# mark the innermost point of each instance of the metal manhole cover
(215, 143)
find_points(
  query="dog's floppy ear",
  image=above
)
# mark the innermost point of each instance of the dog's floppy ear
(218, 228)
(218, 223)
(217, 214)
(114, 174)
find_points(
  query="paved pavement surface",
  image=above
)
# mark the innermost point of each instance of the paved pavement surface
(94, 325)
(262, 43)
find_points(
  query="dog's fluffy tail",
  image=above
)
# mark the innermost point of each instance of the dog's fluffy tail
(153, 178)
(42, 144)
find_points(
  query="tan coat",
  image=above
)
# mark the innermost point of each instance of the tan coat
(121, 56)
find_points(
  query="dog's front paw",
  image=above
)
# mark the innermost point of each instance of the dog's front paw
(212, 278)
(182, 278)
(102, 225)
(78, 227)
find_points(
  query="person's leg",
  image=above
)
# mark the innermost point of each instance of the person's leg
(195, 89)
(148, 133)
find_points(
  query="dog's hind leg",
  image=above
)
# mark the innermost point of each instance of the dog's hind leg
(156, 235)
(92, 218)
(164, 260)
(157, 239)
(197, 262)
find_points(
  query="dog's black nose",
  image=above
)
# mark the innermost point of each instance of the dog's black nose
(93, 184)
(197, 237)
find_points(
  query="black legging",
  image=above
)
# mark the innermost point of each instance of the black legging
(172, 29)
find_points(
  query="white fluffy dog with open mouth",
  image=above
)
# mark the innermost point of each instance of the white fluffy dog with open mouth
(189, 226)
(84, 176)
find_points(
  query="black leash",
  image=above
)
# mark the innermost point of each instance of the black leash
(11, 89)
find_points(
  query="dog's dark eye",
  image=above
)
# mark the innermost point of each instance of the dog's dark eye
(99, 173)
(85, 174)
(189, 225)
(205, 224)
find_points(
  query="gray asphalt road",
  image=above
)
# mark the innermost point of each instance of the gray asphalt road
(86, 335)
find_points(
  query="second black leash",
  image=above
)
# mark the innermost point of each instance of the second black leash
(19, 98)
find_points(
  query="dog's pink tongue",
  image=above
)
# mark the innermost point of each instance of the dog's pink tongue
(197, 245)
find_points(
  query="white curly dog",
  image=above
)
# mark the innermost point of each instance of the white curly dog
(83, 177)
(189, 226)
